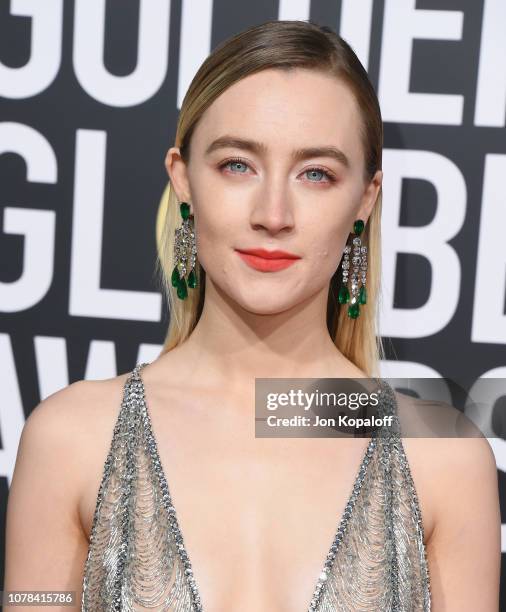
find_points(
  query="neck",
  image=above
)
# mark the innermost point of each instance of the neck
(233, 346)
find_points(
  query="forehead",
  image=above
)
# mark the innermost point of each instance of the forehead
(286, 110)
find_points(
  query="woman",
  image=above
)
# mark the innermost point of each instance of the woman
(278, 148)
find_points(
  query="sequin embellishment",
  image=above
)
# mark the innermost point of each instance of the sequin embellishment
(137, 559)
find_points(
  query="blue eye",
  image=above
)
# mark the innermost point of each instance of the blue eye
(319, 171)
(233, 161)
(237, 161)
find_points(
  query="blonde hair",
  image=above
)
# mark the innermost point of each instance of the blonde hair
(283, 45)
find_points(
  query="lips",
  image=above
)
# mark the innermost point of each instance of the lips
(269, 254)
(267, 261)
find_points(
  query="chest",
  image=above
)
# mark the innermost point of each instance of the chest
(258, 516)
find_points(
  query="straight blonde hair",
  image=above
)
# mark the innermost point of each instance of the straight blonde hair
(283, 45)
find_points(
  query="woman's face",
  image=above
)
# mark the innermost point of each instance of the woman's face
(248, 188)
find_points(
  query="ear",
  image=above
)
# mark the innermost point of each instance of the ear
(369, 196)
(178, 174)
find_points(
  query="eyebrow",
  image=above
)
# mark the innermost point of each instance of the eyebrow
(260, 148)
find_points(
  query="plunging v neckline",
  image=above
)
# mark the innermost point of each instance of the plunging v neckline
(333, 551)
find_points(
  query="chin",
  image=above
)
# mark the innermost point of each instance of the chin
(267, 302)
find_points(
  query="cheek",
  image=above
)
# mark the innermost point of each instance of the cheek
(325, 247)
(217, 215)
(214, 240)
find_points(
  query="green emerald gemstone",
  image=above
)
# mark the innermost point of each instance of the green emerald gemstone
(175, 278)
(354, 310)
(182, 291)
(192, 279)
(362, 296)
(185, 210)
(358, 227)
(344, 294)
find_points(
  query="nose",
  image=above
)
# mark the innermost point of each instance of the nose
(273, 209)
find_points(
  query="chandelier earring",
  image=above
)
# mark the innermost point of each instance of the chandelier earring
(185, 253)
(359, 273)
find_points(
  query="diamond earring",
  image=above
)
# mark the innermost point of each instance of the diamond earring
(359, 263)
(185, 251)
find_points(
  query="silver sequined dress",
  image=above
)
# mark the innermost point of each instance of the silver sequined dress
(137, 559)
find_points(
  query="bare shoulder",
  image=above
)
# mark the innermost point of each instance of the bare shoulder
(63, 438)
(72, 424)
(75, 423)
(73, 405)
(423, 418)
(457, 484)
(443, 447)
(464, 551)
